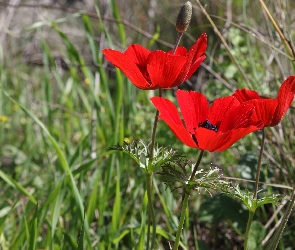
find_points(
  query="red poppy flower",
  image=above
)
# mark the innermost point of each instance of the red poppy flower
(158, 69)
(270, 110)
(212, 128)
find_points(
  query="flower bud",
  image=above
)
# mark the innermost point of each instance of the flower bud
(184, 17)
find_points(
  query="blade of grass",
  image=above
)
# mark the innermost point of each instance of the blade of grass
(13, 183)
(225, 45)
(34, 230)
(62, 159)
(116, 215)
(56, 211)
(77, 61)
(167, 201)
(286, 42)
(81, 238)
(143, 228)
(48, 60)
(93, 197)
(116, 13)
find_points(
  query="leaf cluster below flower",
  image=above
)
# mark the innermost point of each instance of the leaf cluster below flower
(176, 172)
(247, 197)
(140, 152)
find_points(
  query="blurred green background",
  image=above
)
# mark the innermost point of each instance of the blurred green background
(62, 105)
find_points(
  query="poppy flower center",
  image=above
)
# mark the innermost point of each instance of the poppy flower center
(206, 124)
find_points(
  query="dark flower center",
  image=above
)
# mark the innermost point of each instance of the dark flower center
(206, 124)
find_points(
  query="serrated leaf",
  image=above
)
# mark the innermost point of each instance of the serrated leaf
(139, 151)
(247, 197)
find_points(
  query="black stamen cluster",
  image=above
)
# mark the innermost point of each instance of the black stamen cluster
(206, 124)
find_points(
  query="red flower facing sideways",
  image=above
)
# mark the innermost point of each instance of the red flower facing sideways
(158, 69)
(269, 110)
(212, 128)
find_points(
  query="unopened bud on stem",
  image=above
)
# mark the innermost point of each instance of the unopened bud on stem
(184, 17)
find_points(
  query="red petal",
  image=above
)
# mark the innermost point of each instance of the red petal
(163, 68)
(169, 113)
(195, 66)
(137, 53)
(167, 110)
(264, 110)
(180, 51)
(210, 140)
(194, 108)
(220, 107)
(285, 98)
(244, 95)
(128, 67)
(238, 117)
(199, 47)
(236, 135)
(195, 56)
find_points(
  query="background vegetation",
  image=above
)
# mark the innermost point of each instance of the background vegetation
(62, 105)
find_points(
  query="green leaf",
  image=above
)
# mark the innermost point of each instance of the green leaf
(220, 208)
(247, 197)
(257, 234)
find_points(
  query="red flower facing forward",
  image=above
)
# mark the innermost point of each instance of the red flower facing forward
(158, 69)
(212, 128)
(269, 110)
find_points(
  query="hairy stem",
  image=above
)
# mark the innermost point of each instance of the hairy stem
(259, 164)
(197, 165)
(250, 219)
(181, 221)
(187, 193)
(155, 130)
(149, 185)
(149, 220)
(177, 42)
(151, 213)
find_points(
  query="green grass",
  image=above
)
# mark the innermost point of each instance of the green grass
(61, 188)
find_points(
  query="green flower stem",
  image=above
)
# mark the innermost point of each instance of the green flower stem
(259, 164)
(252, 212)
(250, 219)
(149, 186)
(151, 213)
(154, 130)
(181, 222)
(197, 165)
(188, 191)
(149, 220)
